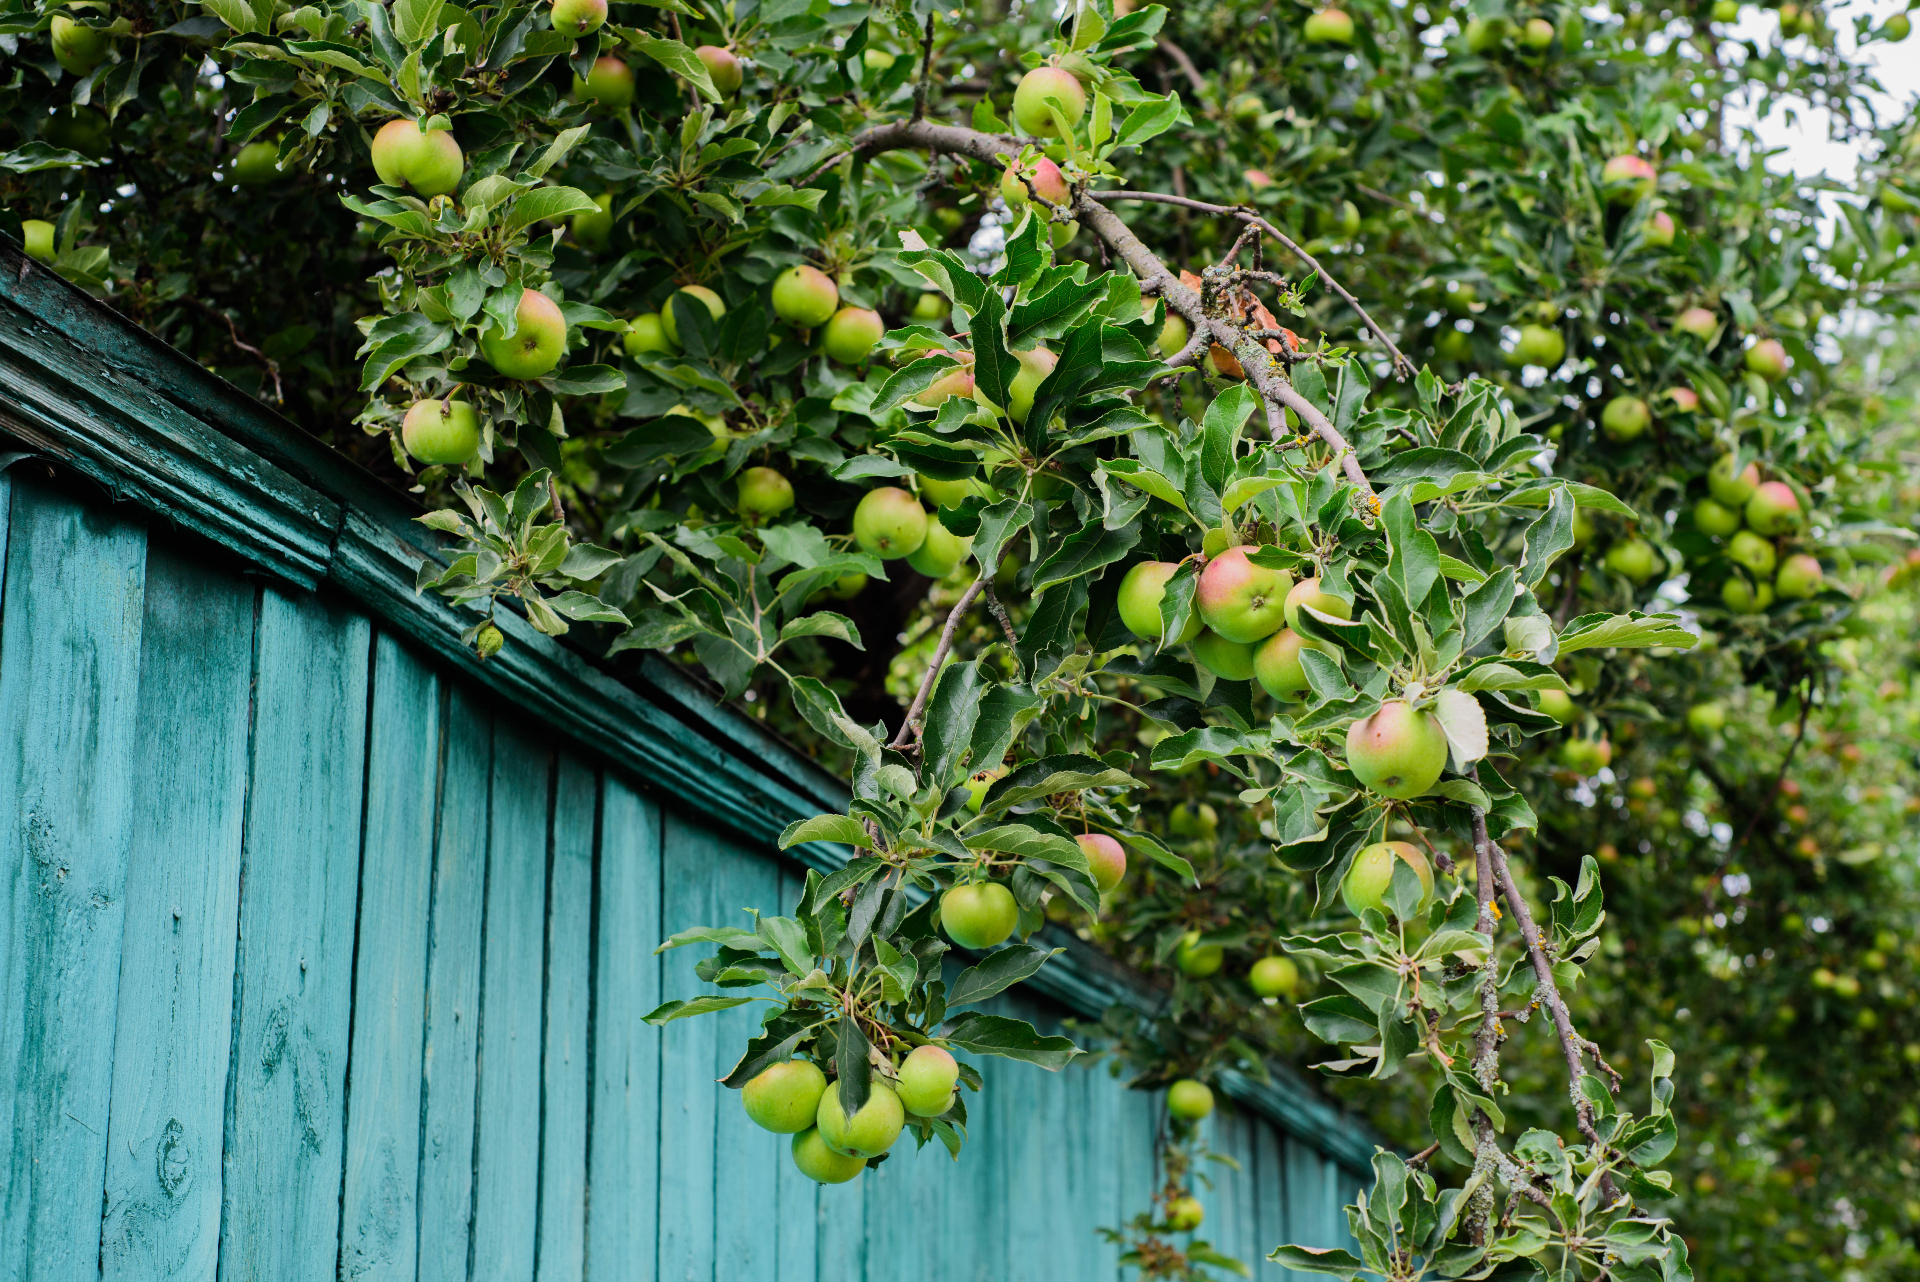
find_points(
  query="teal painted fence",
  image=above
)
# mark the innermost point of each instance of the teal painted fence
(326, 947)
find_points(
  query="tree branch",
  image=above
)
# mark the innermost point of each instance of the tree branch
(1185, 64)
(926, 72)
(272, 366)
(911, 726)
(1401, 365)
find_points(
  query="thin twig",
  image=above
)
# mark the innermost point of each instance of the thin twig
(912, 724)
(272, 366)
(1401, 365)
(926, 71)
(1185, 64)
(1381, 196)
(999, 611)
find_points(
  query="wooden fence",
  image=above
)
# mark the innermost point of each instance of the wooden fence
(326, 947)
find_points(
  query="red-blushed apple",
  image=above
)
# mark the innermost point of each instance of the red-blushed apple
(1228, 660)
(578, 18)
(723, 68)
(784, 1098)
(1307, 592)
(1683, 398)
(1730, 484)
(979, 915)
(1040, 176)
(889, 522)
(1278, 667)
(1626, 179)
(1799, 578)
(1537, 35)
(1625, 418)
(1774, 508)
(608, 85)
(1274, 977)
(1329, 27)
(1634, 560)
(1660, 229)
(1768, 359)
(1397, 752)
(850, 334)
(955, 382)
(927, 1078)
(699, 293)
(1030, 100)
(805, 296)
(1242, 601)
(1697, 321)
(1371, 874)
(1586, 756)
(941, 552)
(1189, 1100)
(1140, 593)
(430, 163)
(763, 492)
(444, 433)
(869, 1132)
(537, 343)
(1106, 857)
(820, 1163)
(1198, 959)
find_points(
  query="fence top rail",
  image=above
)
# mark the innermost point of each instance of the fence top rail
(86, 388)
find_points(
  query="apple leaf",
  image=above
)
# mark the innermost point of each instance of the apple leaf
(1009, 1039)
(1465, 723)
(1592, 631)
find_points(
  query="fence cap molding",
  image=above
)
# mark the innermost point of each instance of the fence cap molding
(86, 388)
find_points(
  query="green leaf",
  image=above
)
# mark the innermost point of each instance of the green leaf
(841, 828)
(789, 940)
(1009, 1039)
(725, 936)
(1029, 843)
(823, 623)
(997, 972)
(952, 715)
(549, 204)
(1591, 631)
(678, 59)
(415, 20)
(667, 1013)
(1091, 547)
(1465, 723)
(1142, 477)
(1070, 772)
(582, 608)
(1310, 1259)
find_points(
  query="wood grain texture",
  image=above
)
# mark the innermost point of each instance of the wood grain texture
(623, 1147)
(746, 1159)
(563, 1127)
(449, 1056)
(507, 1155)
(69, 685)
(693, 896)
(379, 1229)
(174, 1023)
(294, 987)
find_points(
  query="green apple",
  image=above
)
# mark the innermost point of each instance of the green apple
(1040, 178)
(763, 492)
(1397, 752)
(1242, 601)
(446, 433)
(1625, 418)
(1246, 108)
(1349, 220)
(1726, 10)
(1196, 959)
(608, 85)
(941, 552)
(257, 163)
(805, 296)
(1626, 179)
(1744, 598)
(1174, 336)
(1274, 977)
(946, 493)
(850, 335)
(537, 344)
(1583, 529)
(430, 163)
(1277, 665)
(927, 1078)
(1706, 718)
(1539, 345)
(80, 129)
(1307, 593)
(890, 523)
(955, 382)
(1140, 593)
(1799, 578)
(646, 332)
(869, 1132)
(594, 229)
(1537, 35)
(847, 586)
(1768, 359)
(785, 1097)
(1634, 560)
(876, 59)
(1217, 540)
(979, 916)
(1030, 100)
(1189, 822)
(1484, 35)
(1730, 484)
(1189, 1100)
(1450, 344)
(1896, 28)
(77, 47)
(1035, 365)
(699, 293)
(1712, 518)
(1557, 704)
(1586, 756)
(723, 68)
(1184, 1214)
(1774, 508)
(1371, 874)
(1697, 321)
(578, 18)
(1106, 857)
(1329, 27)
(1060, 235)
(821, 1164)
(931, 309)
(1228, 660)
(978, 783)
(37, 236)
(1659, 230)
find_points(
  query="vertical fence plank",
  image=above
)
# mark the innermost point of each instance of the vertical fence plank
(300, 868)
(747, 1159)
(379, 1230)
(174, 1027)
(624, 1156)
(691, 896)
(69, 681)
(1270, 1191)
(563, 1130)
(507, 1170)
(448, 1058)
(799, 1197)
